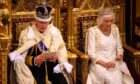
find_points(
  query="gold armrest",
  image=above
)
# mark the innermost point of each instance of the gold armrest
(71, 55)
(72, 59)
(133, 51)
(82, 66)
(136, 57)
(79, 53)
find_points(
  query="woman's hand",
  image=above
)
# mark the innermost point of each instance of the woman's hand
(110, 64)
(119, 57)
(106, 64)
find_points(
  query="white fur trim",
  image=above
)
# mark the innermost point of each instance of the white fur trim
(14, 56)
(57, 69)
(68, 67)
(44, 20)
(30, 34)
(53, 30)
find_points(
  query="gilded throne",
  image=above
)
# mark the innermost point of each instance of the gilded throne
(84, 15)
(23, 16)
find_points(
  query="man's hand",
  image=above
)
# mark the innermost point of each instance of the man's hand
(53, 57)
(39, 60)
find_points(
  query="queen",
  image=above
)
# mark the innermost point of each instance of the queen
(104, 47)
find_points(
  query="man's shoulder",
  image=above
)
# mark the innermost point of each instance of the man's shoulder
(53, 28)
(25, 31)
(55, 31)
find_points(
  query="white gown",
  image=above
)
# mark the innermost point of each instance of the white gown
(99, 46)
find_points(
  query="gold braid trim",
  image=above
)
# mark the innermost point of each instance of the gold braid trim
(62, 45)
(28, 60)
(46, 70)
(67, 79)
(67, 76)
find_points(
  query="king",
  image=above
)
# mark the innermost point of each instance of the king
(41, 57)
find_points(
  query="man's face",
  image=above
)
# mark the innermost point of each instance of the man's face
(41, 26)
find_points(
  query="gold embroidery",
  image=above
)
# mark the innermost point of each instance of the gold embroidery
(28, 60)
(62, 45)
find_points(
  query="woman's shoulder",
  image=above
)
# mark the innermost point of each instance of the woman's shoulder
(114, 27)
(115, 30)
(93, 29)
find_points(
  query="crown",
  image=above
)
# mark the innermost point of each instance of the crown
(105, 11)
(43, 12)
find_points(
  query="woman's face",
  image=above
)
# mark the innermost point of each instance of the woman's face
(41, 26)
(107, 22)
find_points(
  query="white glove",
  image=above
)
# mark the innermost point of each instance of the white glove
(57, 69)
(14, 56)
(68, 67)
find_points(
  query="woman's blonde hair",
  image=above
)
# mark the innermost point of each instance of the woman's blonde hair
(104, 12)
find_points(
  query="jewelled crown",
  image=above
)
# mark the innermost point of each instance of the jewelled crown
(43, 12)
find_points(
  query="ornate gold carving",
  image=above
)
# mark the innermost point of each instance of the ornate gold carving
(117, 2)
(95, 4)
(23, 15)
(25, 5)
(4, 38)
(4, 18)
(4, 43)
(63, 3)
(135, 55)
(3, 4)
(70, 41)
(63, 26)
(82, 66)
(72, 59)
(78, 3)
(84, 22)
(4, 31)
(85, 5)
(4, 46)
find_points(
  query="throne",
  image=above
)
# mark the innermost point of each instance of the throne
(84, 16)
(22, 18)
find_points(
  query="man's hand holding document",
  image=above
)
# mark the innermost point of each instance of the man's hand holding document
(52, 57)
